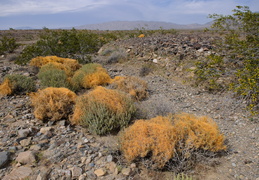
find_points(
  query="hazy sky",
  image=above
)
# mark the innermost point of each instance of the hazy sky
(69, 13)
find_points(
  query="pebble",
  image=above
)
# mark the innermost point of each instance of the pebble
(26, 157)
(4, 158)
(99, 172)
(109, 158)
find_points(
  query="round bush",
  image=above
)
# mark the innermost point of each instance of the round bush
(53, 103)
(103, 110)
(50, 76)
(161, 138)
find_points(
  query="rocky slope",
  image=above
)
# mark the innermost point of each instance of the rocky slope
(31, 149)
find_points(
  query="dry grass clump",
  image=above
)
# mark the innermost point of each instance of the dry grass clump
(53, 103)
(136, 87)
(161, 138)
(103, 110)
(6, 88)
(16, 84)
(90, 76)
(66, 64)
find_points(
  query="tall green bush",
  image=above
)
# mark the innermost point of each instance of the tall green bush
(239, 48)
(75, 44)
(7, 44)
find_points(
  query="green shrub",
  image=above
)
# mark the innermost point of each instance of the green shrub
(20, 84)
(75, 44)
(50, 76)
(208, 72)
(7, 44)
(240, 47)
(103, 111)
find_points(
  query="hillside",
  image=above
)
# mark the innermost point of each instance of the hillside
(37, 150)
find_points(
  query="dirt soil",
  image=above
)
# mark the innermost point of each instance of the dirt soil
(168, 93)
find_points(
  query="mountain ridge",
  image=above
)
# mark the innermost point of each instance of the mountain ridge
(148, 25)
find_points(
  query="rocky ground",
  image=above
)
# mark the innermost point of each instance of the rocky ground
(31, 149)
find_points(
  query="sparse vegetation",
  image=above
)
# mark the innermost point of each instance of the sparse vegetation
(136, 87)
(7, 44)
(103, 111)
(53, 103)
(65, 43)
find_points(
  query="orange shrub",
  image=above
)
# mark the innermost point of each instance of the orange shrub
(164, 136)
(136, 87)
(103, 110)
(66, 64)
(53, 103)
(199, 132)
(90, 76)
(6, 88)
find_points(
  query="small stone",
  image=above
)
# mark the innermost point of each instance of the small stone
(99, 172)
(82, 177)
(20, 173)
(83, 160)
(23, 132)
(61, 123)
(36, 147)
(234, 165)
(109, 158)
(25, 142)
(112, 166)
(26, 157)
(155, 61)
(4, 158)
(76, 171)
(126, 171)
(45, 130)
(133, 165)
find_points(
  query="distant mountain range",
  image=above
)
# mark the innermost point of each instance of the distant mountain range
(148, 25)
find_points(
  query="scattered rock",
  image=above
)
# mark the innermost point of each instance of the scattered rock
(99, 172)
(23, 132)
(4, 158)
(20, 173)
(126, 171)
(76, 171)
(26, 157)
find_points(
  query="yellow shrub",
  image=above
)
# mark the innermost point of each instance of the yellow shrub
(136, 87)
(141, 35)
(6, 88)
(164, 136)
(90, 76)
(156, 135)
(199, 132)
(53, 103)
(100, 77)
(103, 110)
(66, 64)
(110, 98)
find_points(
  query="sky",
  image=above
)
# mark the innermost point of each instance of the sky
(71, 13)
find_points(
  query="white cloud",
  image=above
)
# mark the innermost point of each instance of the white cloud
(13, 7)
